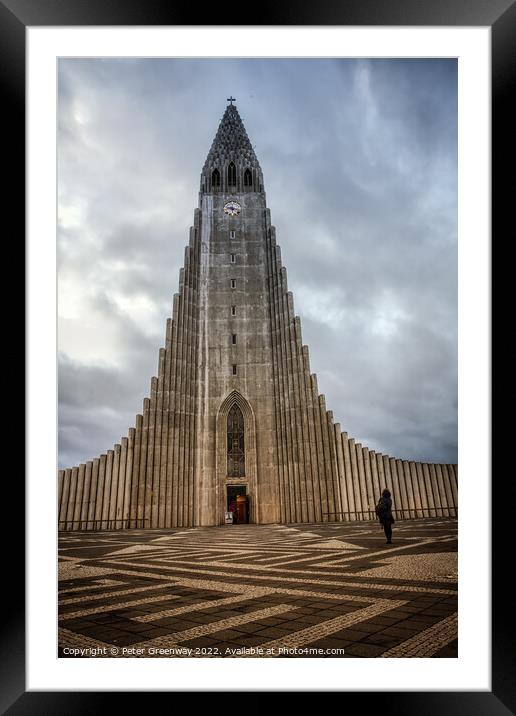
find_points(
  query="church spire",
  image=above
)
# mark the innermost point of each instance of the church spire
(231, 165)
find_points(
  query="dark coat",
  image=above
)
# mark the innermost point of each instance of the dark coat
(383, 510)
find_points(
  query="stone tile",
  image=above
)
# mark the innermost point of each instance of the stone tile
(381, 639)
(251, 628)
(367, 627)
(400, 632)
(226, 635)
(200, 642)
(271, 633)
(364, 649)
(351, 635)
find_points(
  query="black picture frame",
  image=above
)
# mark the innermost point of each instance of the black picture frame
(500, 16)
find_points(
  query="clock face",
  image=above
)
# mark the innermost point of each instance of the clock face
(232, 208)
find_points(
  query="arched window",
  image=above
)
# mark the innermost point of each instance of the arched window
(236, 452)
(248, 178)
(215, 178)
(231, 175)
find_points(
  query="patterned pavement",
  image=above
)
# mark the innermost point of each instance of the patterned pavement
(331, 590)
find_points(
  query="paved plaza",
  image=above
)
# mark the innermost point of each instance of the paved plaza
(277, 591)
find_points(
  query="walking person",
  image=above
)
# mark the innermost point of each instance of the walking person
(384, 512)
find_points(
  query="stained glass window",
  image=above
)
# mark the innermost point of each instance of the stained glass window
(236, 454)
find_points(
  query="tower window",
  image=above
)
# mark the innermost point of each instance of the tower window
(233, 310)
(232, 234)
(233, 258)
(248, 178)
(231, 175)
(234, 369)
(233, 339)
(233, 283)
(215, 178)
(236, 442)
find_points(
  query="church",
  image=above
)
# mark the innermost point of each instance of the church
(234, 423)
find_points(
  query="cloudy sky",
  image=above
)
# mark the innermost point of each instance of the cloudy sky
(360, 166)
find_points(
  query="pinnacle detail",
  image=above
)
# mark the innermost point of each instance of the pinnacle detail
(231, 144)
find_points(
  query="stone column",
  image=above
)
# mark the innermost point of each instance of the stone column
(122, 477)
(432, 511)
(341, 468)
(320, 451)
(99, 505)
(442, 491)
(314, 497)
(60, 478)
(415, 489)
(72, 497)
(93, 494)
(403, 489)
(348, 477)
(107, 490)
(114, 487)
(149, 523)
(65, 497)
(156, 466)
(369, 484)
(78, 497)
(453, 485)
(126, 510)
(408, 487)
(382, 484)
(305, 472)
(422, 489)
(376, 483)
(327, 459)
(361, 480)
(356, 483)
(398, 483)
(389, 484)
(447, 478)
(86, 497)
(436, 490)
(173, 417)
(274, 279)
(163, 482)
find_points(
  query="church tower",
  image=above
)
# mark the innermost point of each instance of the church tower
(235, 381)
(234, 415)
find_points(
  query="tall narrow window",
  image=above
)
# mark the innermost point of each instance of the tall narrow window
(233, 259)
(236, 447)
(233, 339)
(234, 369)
(232, 234)
(215, 178)
(233, 283)
(233, 310)
(248, 178)
(231, 175)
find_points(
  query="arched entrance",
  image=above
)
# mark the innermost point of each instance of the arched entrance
(236, 459)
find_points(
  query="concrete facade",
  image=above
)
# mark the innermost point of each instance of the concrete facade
(234, 340)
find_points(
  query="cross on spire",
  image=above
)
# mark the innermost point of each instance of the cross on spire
(231, 100)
